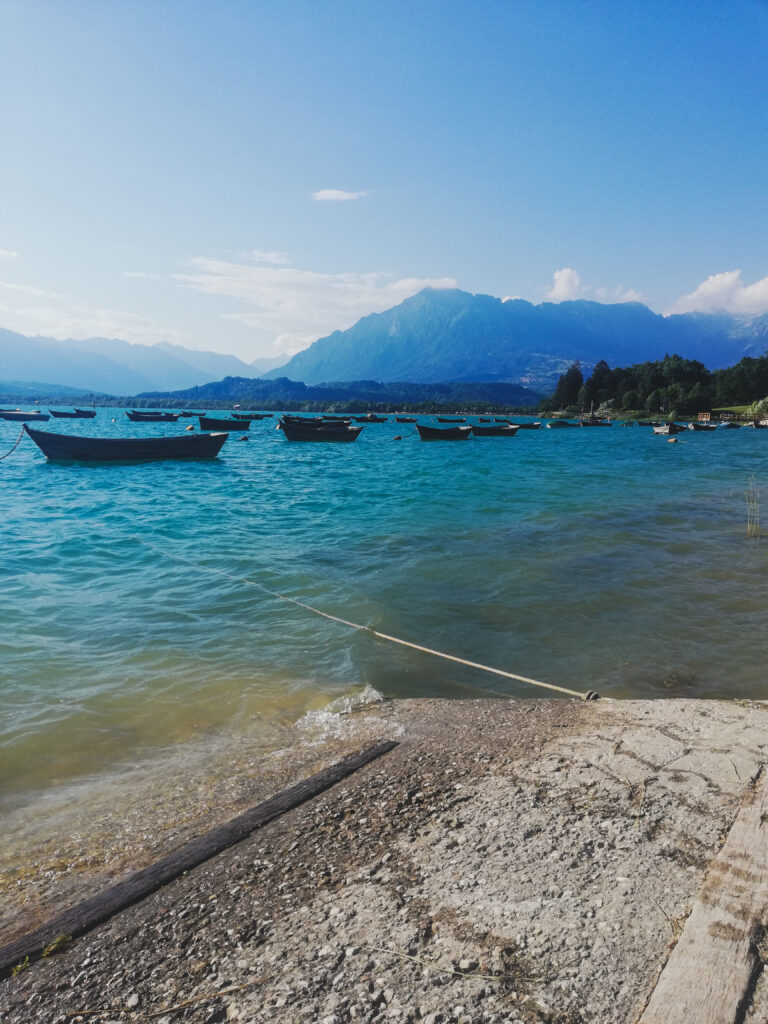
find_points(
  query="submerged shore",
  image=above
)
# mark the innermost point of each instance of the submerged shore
(531, 860)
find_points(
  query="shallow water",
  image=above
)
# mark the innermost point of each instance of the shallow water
(133, 621)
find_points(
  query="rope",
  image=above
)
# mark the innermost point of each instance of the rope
(16, 445)
(589, 695)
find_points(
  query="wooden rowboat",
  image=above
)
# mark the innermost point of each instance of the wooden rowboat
(70, 448)
(443, 433)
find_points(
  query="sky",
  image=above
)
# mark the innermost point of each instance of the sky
(245, 176)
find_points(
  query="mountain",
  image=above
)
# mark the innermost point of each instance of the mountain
(111, 366)
(451, 335)
(263, 365)
(281, 392)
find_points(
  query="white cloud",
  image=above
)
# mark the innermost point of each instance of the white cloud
(263, 256)
(299, 306)
(567, 285)
(142, 275)
(9, 254)
(336, 195)
(28, 289)
(81, 322)
(725, 292)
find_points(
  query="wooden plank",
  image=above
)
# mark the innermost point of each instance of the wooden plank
(91, 912)
(710, 973)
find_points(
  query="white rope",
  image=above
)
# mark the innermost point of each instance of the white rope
(589, 695)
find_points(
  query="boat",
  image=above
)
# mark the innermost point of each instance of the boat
(494, 429)
(406, 419)
(371, 417)
(667, 429)
(730, 425)
(251, 415)
(694, 425)
(593, 421)
(22, 417)
(78, 414)
(427, 433)
(451, 419)
(559, 424)
(296, 429)
(213, 423)
(526, 425)
(189, 414)
(139, 416)
(501, 419)
(72, 448)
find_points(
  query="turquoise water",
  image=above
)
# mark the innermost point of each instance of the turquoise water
(602, 559)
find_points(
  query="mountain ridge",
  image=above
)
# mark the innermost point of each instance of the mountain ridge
(452, 335)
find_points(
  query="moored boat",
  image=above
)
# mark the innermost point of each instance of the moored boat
(451, 419)
(559, 424)
(702, 427)
(406, 419)
(23, 417)
(494, 429)
(526, 424)
(140, 416)
(668, 429)
(730, 425)
(72, 448)
(214, 423)
(593, 421)
(78, 414)
(296, 429)
(458, 433)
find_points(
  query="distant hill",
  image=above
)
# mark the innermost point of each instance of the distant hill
(450, 335)
(11, 390)
(282, 392)
(111, 366)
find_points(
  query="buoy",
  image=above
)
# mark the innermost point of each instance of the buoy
(672, 440)
(398, 437)
(190, 427)
(243, 438)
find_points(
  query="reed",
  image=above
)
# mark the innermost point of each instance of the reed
(752, 495)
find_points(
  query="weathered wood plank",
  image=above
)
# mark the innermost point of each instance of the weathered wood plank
(709, 975)
(99, 908)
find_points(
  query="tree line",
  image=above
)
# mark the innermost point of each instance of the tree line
(668, 385)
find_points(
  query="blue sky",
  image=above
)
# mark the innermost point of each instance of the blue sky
(248, 176)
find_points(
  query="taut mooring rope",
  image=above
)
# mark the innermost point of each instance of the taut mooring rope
(589, 695)
(15, 446)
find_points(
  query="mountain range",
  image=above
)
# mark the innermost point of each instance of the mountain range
(437, 335)
(451, 335)
(109, 366)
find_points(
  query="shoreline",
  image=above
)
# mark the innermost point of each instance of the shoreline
(554, 845)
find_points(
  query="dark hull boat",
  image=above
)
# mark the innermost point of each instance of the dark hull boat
(312, 430)
(559, 424)
(494, 430)
(668, 429)
(68, 448)
(188, 414)
(406, 419)
(527, 425)
(451, 419)
(702, 427)
(443, 433)
(593, 421)
(137, 416)
(210, 423)
(78, 414)
(23, 417)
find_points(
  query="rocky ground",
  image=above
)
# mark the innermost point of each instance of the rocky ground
(510, 861)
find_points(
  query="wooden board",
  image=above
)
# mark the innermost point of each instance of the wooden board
(99, 908)
(709, 975)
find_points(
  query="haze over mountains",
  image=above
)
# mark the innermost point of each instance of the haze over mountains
(438, 335)
(110, 366)
(451, 335)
